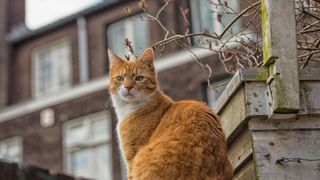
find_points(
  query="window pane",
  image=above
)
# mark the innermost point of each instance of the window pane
(116, 36)
(11, 150)
(45, 71)
(229, 15)
(80, 163)
(103, 162)
(63, 67)
(14, 152)
(77, 134)
(135, 28)
(101, 130)
(206, 16)
(141, 34)
(52, 68)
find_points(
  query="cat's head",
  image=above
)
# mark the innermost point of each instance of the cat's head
(132, 80)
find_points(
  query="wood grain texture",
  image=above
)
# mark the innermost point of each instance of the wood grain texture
(233, 116)
(274, 140)
(240, 150)
(246, 172)
(309, 98)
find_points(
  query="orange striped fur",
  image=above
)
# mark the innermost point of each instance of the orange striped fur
(161, 139)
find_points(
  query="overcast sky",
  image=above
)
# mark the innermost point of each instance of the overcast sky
(42, 12)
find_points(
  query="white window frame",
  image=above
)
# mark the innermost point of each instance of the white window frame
(16, 141)
(128, 24)
(87, 121)
(63, 42)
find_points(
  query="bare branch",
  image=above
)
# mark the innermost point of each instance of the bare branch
(237, 17)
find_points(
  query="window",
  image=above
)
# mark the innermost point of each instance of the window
(212, 94)
(88, 148)
(11, 150)
(135, 28)
(51, 68)
(205, 15)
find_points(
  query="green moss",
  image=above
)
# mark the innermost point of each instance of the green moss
(284, 105)
(263, 74)
(268, 57)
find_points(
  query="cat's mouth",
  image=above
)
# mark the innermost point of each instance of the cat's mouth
(128, 95)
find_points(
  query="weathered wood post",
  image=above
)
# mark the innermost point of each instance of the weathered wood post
(271, 115)
(280, 54)
(286, 144)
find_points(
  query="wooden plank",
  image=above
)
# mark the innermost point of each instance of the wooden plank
(233, 117)
(272, 146)
(280, 54)
(240, 150)
(298, 123)
(254, 74)
(309, 74)
(310, 99)
(255, 97)
(243, 75)
(246, 172)
(231, 88)
(248, 101)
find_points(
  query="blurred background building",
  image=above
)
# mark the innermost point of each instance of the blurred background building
(55, 110)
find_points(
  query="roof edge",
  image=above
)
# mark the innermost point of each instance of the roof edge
(61, 22)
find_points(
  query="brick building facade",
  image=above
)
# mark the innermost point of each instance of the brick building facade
(52, 112)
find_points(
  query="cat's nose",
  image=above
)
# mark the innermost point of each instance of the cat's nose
(128, 87)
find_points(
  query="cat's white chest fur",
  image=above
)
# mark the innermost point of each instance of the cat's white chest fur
(122, 108)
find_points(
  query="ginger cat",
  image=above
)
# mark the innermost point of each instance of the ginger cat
(161, 139)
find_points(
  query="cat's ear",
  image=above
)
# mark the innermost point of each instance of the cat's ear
(114, 59)
(147, 56)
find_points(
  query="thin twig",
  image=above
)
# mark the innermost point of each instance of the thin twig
(309, 53)
(310, 56)
(237, 17)
(312, 15)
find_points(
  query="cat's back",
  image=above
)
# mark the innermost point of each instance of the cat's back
(190, 116)
(187, 144)
(190, 106)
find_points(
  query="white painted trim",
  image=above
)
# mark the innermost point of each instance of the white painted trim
(83, 49)
(162, 64)
(42, 103)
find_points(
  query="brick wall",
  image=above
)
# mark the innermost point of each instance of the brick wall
(3, 53)
(16, 12)
(12, 13)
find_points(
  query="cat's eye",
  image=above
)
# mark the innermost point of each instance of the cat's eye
(138, 78)
(119, 78)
